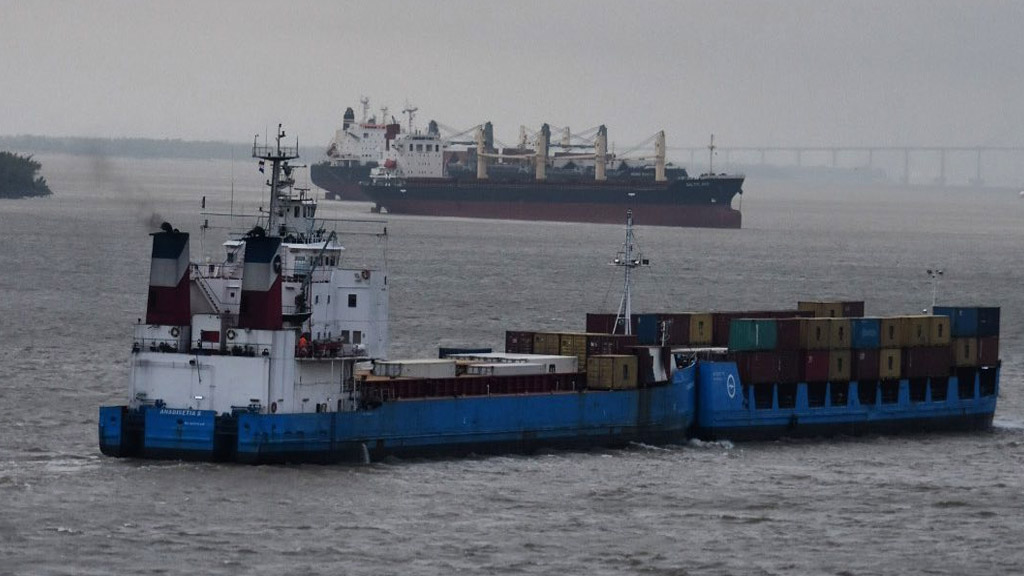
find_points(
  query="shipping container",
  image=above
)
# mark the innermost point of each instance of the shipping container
(988, 322)
(573, 344)
(865, 333)
(547, 343)
(853, 309)
(787, 333)
(839, 333)
(505, 369)
(611, 372)
(988, 351)
(815, 366)
(890, 332)
(814, 333)
(553, 363)
(648, 329)
(839, 365)
(446, 351)
(519, 342)
(864, 364)
(752, 334)
(426, 368)
(676, 328)
(939, 331)
(926, 362)
(890, 364)
(965, 352)
(833, 309)
(604, 344)
(720, 327)
(789, 366)
(601, 323)
(701, 329)
(963, 321)
(758, 367)
(915, 331)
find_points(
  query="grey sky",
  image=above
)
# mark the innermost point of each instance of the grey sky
(794, 72)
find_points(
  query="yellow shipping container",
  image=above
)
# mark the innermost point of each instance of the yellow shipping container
(839, 333)
(915, 331)
(822, 309)
(839, 366)
(938, 331)
(965, 352)
(547, 343)
(700, 328)
(891, 333)
(815, 333)
(573, 344)
(611, 372)
(890, 365)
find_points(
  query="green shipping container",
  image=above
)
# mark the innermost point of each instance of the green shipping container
(747, 334)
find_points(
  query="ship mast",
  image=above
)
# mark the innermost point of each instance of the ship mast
(277, 155)
(628, 258)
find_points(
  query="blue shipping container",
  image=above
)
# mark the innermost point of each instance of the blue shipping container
(988, 322)
(866, 333)
(963, 322)
(647, 328)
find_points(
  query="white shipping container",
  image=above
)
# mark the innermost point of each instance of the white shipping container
(425, 368)
(505, 369)
(552, 364)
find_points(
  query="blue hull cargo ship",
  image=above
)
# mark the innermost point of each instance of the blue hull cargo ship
(257, 359)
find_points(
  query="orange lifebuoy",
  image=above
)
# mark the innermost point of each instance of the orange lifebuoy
(273, 407)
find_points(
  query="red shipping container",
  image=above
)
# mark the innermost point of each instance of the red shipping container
(678, 328)
(789, 366)
(926, 362)
(604, 344)
(519, 342)
(864, 365)
(600, 323)
(788, 334)
(853, 309)
(988, 351)
(814, 366)
(758, 367)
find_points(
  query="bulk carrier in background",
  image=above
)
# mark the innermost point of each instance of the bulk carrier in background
(573, 179)
(278, 354)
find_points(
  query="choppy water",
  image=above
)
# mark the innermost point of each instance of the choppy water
(74, 278)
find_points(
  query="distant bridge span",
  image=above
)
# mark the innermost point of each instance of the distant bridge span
(797, 153)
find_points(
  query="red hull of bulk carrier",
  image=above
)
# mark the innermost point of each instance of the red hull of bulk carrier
(683, 215)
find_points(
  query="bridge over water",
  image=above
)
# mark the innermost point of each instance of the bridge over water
(972, 165)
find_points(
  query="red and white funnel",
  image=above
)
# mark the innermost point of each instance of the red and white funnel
(260, 308)
(169, 280)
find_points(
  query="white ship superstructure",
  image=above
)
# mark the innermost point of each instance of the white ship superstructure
(277, 325)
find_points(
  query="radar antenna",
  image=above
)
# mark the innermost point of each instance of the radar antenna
(278, 156)
(628, 258)
(410, 111)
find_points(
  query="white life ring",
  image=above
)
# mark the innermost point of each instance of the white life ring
(175, 332)
(231, 334)
(365, 274)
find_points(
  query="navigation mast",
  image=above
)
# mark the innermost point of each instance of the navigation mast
(628, 258)
(278, 156)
